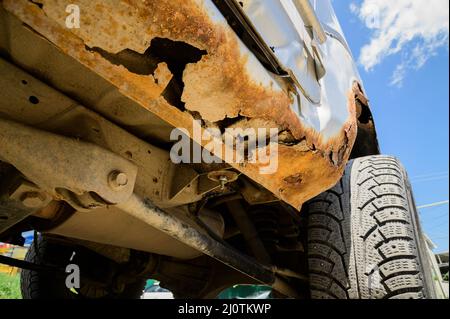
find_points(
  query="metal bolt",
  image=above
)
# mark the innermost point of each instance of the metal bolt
(32, 199)
(117, 180)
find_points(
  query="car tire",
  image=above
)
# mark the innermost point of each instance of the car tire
(364, 236)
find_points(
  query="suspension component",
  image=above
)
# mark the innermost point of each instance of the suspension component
(277, 229)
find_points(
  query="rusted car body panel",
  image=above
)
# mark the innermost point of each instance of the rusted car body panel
(228, 82)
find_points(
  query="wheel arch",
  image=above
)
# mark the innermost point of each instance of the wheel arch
(366, 142)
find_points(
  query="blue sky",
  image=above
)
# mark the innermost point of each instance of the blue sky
(411, 107)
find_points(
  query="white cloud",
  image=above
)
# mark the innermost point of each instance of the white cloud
(414, 28)
(354, 8)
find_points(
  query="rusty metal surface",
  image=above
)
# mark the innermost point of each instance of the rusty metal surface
(56, 167)
(13, 200)
(217, 87)
(58, 114)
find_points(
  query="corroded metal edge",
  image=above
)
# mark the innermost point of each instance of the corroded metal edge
(217, 87)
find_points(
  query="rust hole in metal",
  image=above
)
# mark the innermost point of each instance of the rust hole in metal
(285, 137)
(33, 100)
(39, 4)
(177, 55)
(142, 64)
(227, 122)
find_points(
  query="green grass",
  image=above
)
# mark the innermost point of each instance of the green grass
(10, 286)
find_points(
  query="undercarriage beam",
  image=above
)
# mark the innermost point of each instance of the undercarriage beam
(153, 216)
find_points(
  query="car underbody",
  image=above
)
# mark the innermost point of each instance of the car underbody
(86, 117)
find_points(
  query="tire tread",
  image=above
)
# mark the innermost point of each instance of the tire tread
(363, 229)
